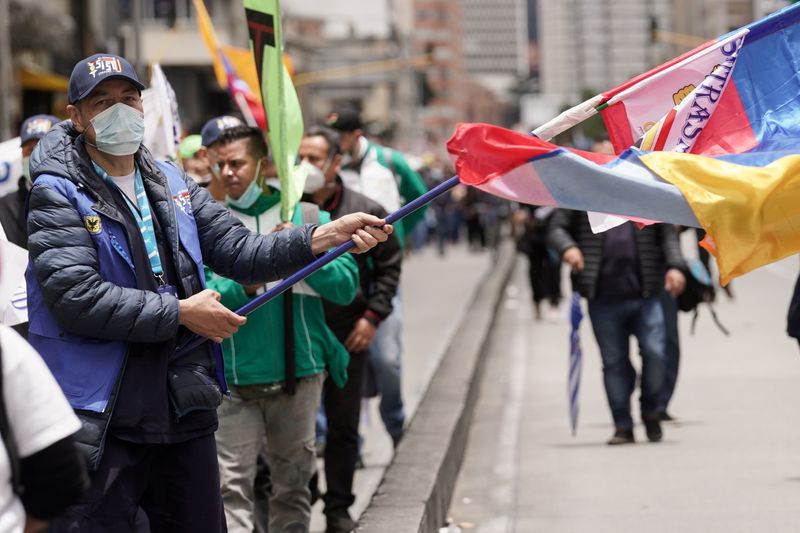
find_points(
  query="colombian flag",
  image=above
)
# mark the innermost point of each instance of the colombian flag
(728, 114)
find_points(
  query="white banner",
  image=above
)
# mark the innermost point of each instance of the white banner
(10, 165)
(13, 293)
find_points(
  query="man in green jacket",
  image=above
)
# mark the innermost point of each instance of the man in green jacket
(265, 402)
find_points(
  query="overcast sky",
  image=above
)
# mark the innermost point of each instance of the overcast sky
(367, 17)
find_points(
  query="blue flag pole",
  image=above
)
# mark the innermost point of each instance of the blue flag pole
(329, 256)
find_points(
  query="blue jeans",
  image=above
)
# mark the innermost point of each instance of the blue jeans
(385, 358)
(673, 347)
(613, 323)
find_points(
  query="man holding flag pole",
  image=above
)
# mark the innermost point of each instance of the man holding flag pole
(275, 363)
(116, 289)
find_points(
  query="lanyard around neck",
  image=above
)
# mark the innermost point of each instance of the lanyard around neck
(144, 218)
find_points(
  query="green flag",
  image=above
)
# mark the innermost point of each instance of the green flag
(284, 118)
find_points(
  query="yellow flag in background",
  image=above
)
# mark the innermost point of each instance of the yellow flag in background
(210, 38)
(241, 59)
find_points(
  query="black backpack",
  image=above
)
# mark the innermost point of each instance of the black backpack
(699, 289)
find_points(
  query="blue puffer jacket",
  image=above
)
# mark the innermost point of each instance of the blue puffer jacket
(83, 303)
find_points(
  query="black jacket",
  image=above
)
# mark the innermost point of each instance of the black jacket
(379, 269)
(657, 246)
(12, 214)
(793, 317)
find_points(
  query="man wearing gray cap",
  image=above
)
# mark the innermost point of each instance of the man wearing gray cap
(117, 243)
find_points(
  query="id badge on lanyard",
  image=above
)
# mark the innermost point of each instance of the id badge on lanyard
(168, 289)
(164, 288)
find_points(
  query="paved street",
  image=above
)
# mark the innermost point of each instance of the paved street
(436, 291)
(731, 463)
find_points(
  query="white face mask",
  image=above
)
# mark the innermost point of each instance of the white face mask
(250, 194)
(315, 177)
(119, 130)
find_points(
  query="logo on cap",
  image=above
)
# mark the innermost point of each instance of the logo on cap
(226, 122)
(332, 118)
(39, 125)
(105, 65)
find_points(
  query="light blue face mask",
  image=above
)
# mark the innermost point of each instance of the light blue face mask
(250, 194)
(119, 130)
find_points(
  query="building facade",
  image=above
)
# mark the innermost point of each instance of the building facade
(588, 46)
(593, 45)
(496, 50)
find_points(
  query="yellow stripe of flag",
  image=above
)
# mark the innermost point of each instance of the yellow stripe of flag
(752, 214)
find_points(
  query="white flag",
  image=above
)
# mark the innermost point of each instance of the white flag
(162, 128)
(10, 165)
(13, 292)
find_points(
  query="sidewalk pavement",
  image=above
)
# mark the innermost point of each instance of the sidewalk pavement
(730, 464)
(435, 290)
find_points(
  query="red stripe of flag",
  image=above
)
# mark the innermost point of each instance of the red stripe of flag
(618, 125)
(665, 129)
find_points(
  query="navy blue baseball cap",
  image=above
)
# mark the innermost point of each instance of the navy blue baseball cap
(90, 72)
(214, 128)
(36, 126)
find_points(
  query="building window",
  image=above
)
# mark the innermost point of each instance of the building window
(161, 10)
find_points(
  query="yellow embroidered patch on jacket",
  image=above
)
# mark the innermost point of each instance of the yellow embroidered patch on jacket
(92, 223)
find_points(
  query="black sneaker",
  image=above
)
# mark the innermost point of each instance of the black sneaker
(666, 417)
(622, 436)
(340, 523)
(653, 428)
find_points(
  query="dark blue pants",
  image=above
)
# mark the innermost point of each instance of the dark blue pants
(613, 323)
(151, 487)
(673, 348)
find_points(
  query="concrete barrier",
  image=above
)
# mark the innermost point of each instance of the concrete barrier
(416, 490)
